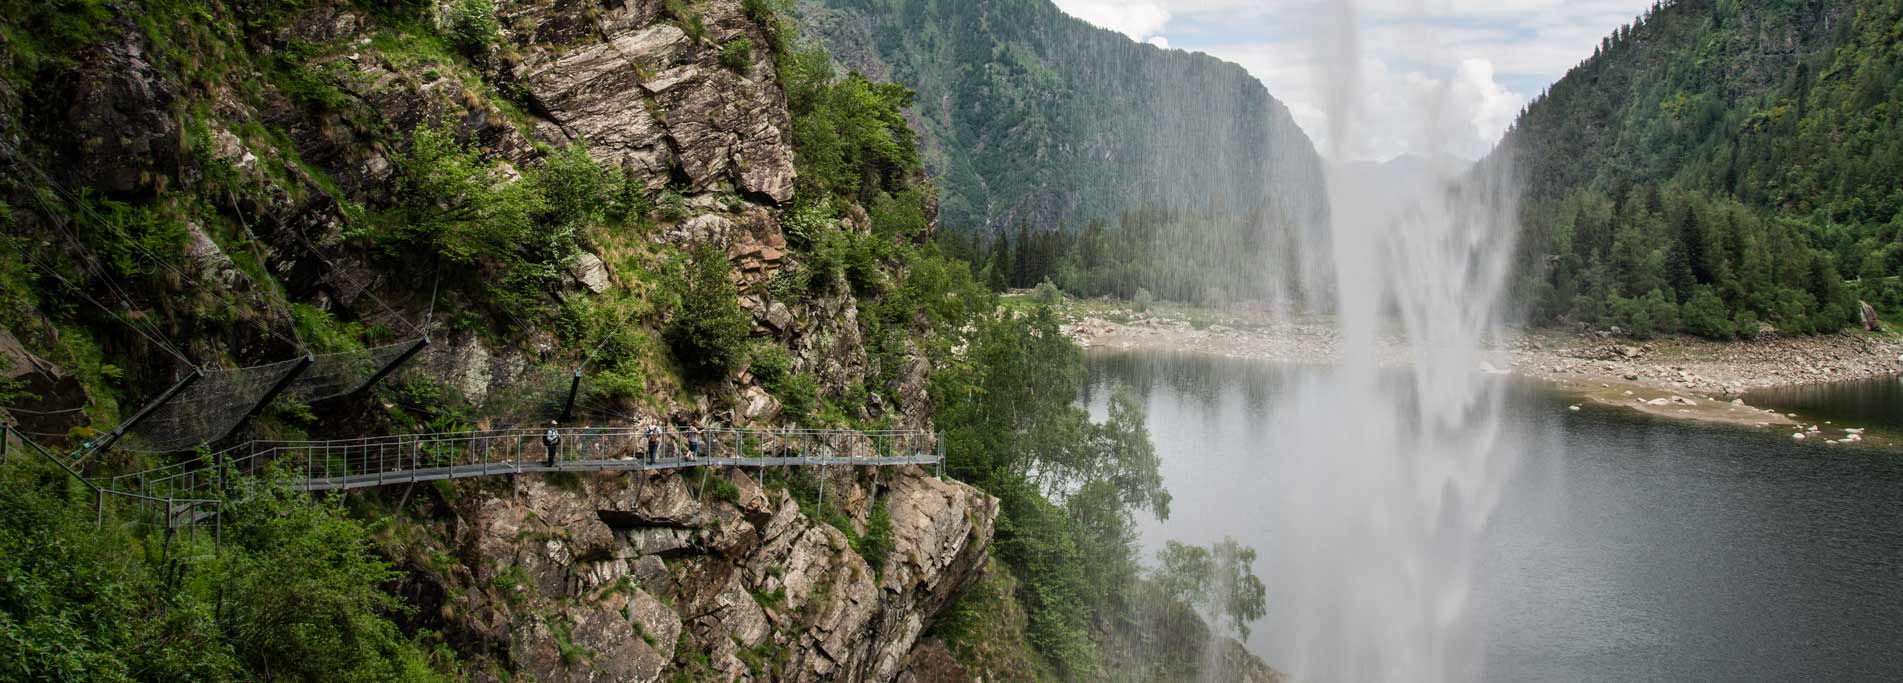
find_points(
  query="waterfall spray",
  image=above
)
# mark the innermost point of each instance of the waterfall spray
(1396, 463)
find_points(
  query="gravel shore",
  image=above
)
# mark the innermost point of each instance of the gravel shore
(1678, 377)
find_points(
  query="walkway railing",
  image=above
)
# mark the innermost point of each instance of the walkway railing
(184, 494)
(377, 461)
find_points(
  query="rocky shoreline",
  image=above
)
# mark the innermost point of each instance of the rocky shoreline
(1677, 377)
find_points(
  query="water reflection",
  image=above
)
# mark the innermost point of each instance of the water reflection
(1626, 548)
(1874, 403)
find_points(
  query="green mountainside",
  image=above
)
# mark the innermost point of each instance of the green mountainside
(670, 213)
(1717, 166)
(1031, 116)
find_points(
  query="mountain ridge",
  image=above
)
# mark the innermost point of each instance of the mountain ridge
(1031, 115)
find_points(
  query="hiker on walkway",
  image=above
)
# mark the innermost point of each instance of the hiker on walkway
(653, 434)
(552, 440)
(693, 442)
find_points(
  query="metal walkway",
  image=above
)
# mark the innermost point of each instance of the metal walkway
(195, 490)
(408, 458)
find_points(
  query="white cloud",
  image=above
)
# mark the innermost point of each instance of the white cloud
(1159, 41)
(1141, 21)
(1434, 76)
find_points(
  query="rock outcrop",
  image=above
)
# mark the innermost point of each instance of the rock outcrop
(282, 162)
(627, 577)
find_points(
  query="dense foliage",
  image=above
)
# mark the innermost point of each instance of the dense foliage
(1032, 116)
(1718, 164)
(1069, 488)
(709, 331)
(293, 594)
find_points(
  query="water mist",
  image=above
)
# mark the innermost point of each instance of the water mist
(1394, 460)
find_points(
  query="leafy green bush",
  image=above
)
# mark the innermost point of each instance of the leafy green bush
(771, 365)
(1143, 299)
(737, 54)
(709, 331)
(1048, 294)
(851, 258)
(876, 543)
(1705, 315)
(1220, 579)
(798, 395)
(473, 27)
(850, 136)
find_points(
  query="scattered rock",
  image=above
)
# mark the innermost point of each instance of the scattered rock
(590, 272)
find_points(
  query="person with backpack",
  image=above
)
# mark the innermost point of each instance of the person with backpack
(654, 441)
(552, 440)
(693, 442)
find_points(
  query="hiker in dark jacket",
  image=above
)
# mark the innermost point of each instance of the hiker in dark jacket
(654, 442)
(552, 440)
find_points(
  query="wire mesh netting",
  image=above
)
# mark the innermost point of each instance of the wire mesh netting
(207, 409)
(446, 380)
(210, 408)
(336, 374)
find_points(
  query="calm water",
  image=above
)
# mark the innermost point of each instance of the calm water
(1873, 403)
(1629, 549)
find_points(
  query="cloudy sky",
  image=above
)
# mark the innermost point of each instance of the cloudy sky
(1434, 77)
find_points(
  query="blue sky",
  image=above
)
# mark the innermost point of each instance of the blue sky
(1431, 77)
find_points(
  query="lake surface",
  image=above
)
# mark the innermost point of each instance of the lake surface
(1627, 548)
(1873, 403)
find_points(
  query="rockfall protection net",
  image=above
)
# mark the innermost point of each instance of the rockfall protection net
(439, 381)
(335, 374)
(221, 399)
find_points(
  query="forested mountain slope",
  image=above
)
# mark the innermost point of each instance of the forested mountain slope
(666, 200)
(1030, 115)
(1717, 164)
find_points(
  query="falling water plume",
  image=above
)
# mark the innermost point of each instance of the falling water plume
(1397, 463)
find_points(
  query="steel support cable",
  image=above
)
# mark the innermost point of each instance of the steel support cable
(89, 262)
(156, 336)
(182, 276)
(367, 291)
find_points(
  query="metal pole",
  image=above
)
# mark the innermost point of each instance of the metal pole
(106, 442)
(392, 367)
(272, 395)
(99, 508)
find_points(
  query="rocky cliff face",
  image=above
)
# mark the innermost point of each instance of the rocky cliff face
(267, 136)
(641, 577)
